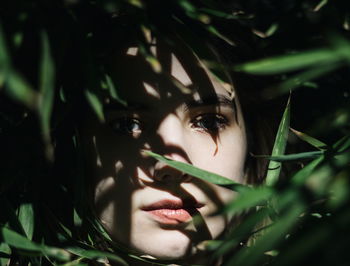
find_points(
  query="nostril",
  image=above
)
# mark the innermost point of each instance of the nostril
(186, 178)
(166, 178)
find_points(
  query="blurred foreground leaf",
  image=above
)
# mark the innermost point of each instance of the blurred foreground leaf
(18, 241)
(47, 83)
(95, 104)
(96, 254)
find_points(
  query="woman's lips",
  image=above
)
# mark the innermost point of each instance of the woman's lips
(172, 212)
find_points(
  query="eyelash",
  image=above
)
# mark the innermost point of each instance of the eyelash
(216, 123)
(211, 123)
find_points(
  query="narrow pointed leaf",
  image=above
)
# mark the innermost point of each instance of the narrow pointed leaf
(21, 91)
(312, 141)
(249, 199)
(113, 91)
(195, 171)
(47, 76)
(95, 254)
(270, 239)
(279, 147)
(5, 64)
(294, 156)
(16, 240)
(26, 218)
(95, 104)
(292, 62)
(300, 177)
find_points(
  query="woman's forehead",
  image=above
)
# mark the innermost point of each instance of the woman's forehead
(135, 77)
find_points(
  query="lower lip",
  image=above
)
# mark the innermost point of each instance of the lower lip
(171, 216)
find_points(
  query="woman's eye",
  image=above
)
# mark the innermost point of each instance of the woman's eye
(209, 122)
(126, 125)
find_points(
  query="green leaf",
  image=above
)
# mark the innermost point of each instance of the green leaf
(21, 91)
(5, 252)
(26, 218)
(248, 199)
(218, 13)
(96, 254)
(214, 31)
(294, 156)
(16, 87)
(320, 5)
(5, 63)
(301, 79)
(270, 240)
(292, 62)
(312, 141)
(343, 144)
(187, 6)
(197, 172)
(47, 83)
(77, 219)
(113, 91)
(279, 147)
(18, 241)
(95, 104)
(300, 177)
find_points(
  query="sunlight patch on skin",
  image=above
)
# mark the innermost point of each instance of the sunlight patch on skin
(178, 72)
(169, 94)
(101, 187)
(98, 157)
(151, 90)
(132, 51)
(143, 177)
(118, 166)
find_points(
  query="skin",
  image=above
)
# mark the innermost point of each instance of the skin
(194, 128)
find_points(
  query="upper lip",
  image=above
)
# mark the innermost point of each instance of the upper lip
(173, 204)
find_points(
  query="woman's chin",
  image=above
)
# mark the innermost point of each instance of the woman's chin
(170, 245)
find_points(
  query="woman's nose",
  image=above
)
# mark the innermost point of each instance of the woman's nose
(171, 133)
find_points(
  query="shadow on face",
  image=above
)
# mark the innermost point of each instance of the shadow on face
(202, 127)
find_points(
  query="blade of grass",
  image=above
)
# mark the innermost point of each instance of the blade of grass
(5, 62)
(113, 91)
(279, 147)
(5, 252)
(96, 254)
(249, 199)
(301, 79)
(275, 234)
(18, 241)
(312, 141)
(242, 232)
(26, 218)
(197, 172)
(17, 88)
(95, 104)
(47, 77)
(300, 177)
(293, 157)
(292, 62)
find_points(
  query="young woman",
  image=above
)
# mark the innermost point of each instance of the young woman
(184, 113)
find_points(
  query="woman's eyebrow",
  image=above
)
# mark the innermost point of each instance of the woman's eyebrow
(218, 100)
(212, 100)
(117, 106)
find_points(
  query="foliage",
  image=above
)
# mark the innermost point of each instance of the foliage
(50, 61)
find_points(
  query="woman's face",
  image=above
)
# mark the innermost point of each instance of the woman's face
(143, 203)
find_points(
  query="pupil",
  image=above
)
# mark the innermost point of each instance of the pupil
(208, 123)
(132, 126)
